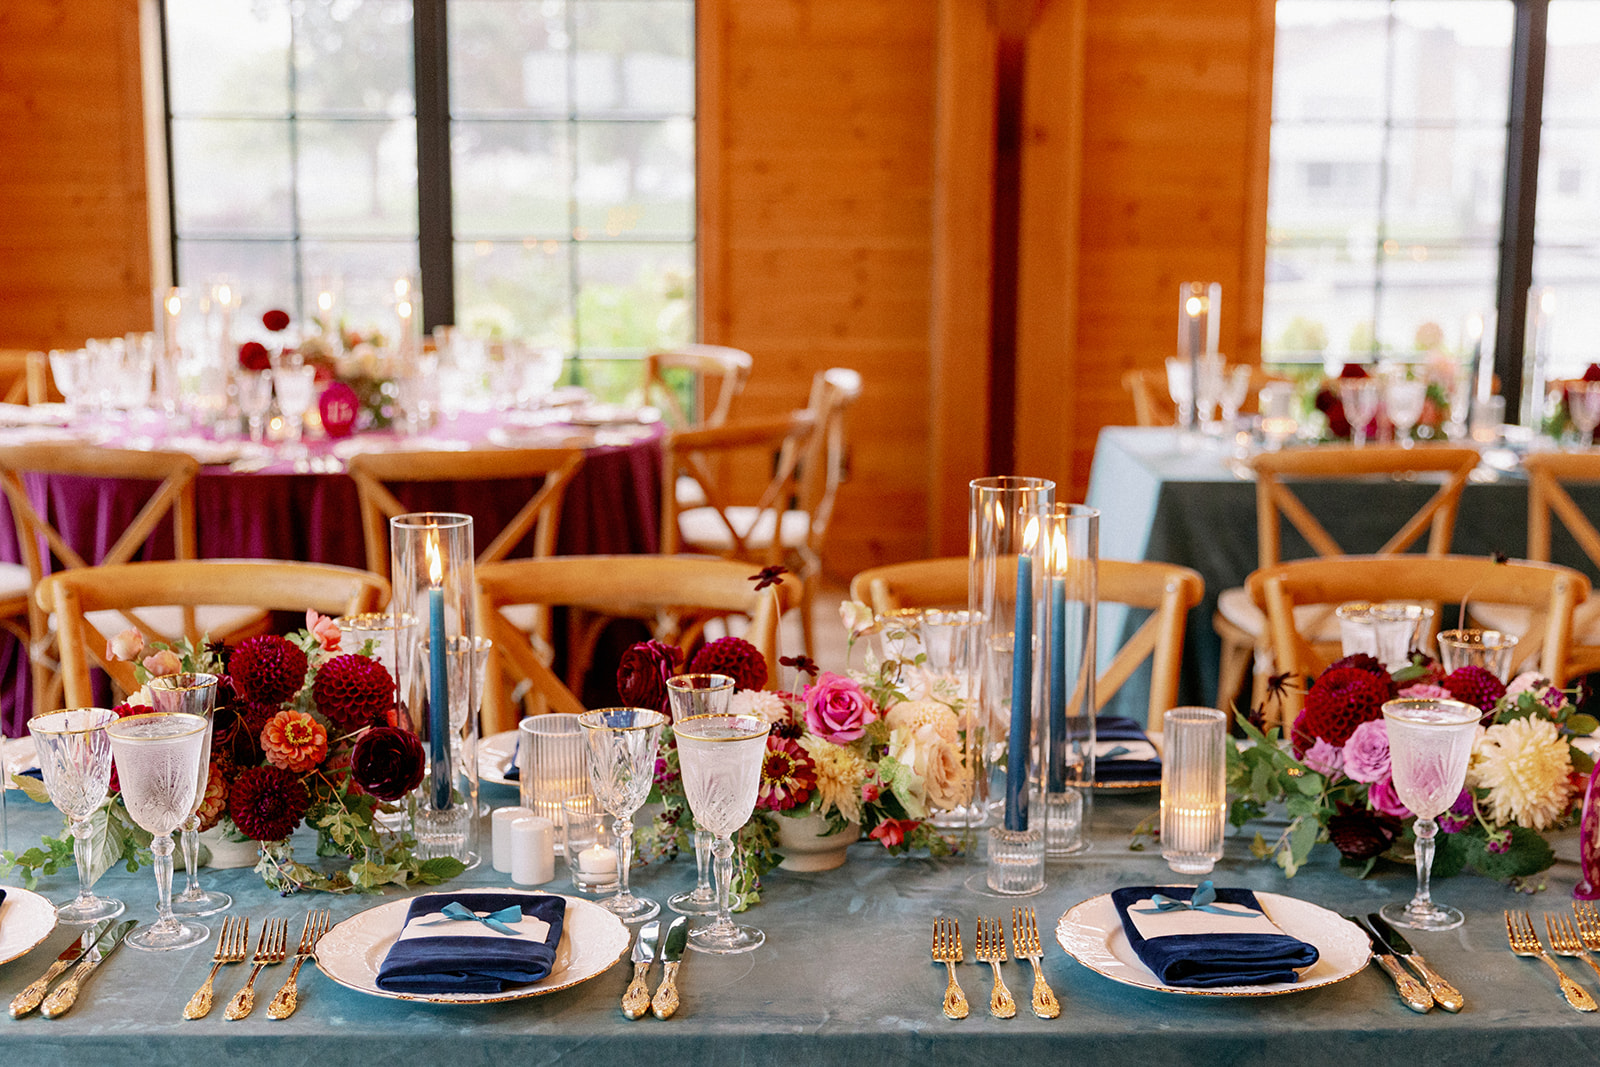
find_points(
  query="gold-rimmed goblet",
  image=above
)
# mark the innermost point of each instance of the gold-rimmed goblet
(192, 694)
(691, 695)
(622, 766)
(75, 758)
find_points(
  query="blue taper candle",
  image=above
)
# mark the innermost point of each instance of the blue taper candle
(438, 699)
(1057, 761)
(1021, 699)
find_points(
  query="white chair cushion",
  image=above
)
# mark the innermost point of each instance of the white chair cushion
(14, 581)
(690, 493)
(1509, 618)
(216, 621)
(703, 529)
(1236, 606)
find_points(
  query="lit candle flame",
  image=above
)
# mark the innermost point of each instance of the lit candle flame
(404, 308)
(402, 287)
(435, 562)
(174, 304)
(1030, 534)
(1059, 553)
(1547, 301)
(1193, 306)
(325, 301)
(224, 295)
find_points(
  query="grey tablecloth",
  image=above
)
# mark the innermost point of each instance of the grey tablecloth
(1162, 501)
(845, 978)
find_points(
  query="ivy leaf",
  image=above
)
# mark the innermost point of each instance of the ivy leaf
(32, 787)
(1582, 725)
(1529, 854)
(1582, 762)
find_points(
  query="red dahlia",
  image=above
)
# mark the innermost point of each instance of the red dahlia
(267, 803)
(735, 657)
(253, 355)
(1474, 685)
(1362, 661)
(353, 691)
(387, 762)
(1359, 834)
(1339, 701)
(267, 669)
(275, 320)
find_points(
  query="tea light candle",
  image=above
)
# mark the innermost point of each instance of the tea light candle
(533, 850)
(500, 822)
(597, 860)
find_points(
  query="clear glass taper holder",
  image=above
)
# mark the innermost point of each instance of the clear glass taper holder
(74, 754)
(1072, 605)
(192, 694)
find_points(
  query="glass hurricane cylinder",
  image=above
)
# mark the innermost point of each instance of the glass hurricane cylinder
(1194, 795)
(1007, 558)
(467, 661)
(431, 574)
(1073, 599)
(947, 670)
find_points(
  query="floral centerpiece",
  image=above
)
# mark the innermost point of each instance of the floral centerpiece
(339, 355)
(1440, 374)
(852, 748)
(1333, 776)
(302, 734)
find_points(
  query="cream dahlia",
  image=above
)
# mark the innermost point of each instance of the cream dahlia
(840, 774)
(916, 714)
(762, 703)
(1524, 765)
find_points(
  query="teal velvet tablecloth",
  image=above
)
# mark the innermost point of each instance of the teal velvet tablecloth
(1161, 498)
(844, 978)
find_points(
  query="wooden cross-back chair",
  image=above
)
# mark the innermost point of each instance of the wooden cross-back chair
(79, 596)
(1238, 621)
(789, 522)
(718, 375)
(678, 592)
(1166, 589)
(1546, 593)
(45, 549)
(15, 372)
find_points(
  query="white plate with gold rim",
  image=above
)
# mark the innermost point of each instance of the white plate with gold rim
(1092, 934)
(495, 754)
(26, 919)
(592, 941)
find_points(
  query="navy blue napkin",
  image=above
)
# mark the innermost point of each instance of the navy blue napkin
(1113, 770)
(514, 772)
(478, 959)
(1205, 960)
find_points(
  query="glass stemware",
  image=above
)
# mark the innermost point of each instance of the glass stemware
(1180, 386)
(721, 757)
(692, 695)
(1405, 401)
(192, 694)
(75, 756)
(1360, 399)
(622, 767)
(1430, 743)
(158, 764)
(294, 388)
(255, 400)
(1583, 406)
(1235, 388)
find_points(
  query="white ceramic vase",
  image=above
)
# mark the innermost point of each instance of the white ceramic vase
(226, 853)
(807, 846)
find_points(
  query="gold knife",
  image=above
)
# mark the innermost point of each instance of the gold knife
(33, 996)
(665, 1002)
(66, 994)
(1413, 994)
(1444, 994)
(636, 1000)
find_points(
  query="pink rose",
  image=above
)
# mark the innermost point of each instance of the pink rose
(126, 646)
(1383, 797)
(1324, 758)
(1366, 754)
(1426, 691)
(837, 709)
(163, 663)
(325, 630)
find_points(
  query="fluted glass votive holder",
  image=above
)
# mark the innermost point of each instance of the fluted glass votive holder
(1194, 801)
(1489, 649)
(552, 765)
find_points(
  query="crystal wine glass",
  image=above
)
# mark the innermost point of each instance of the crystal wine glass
(1360, 399)
(721, 757)
(158, 764)
(1583, 405)
(255, 400)
(1180, 386)
(1235, 387)
(75, 757)
(622, 767)
(294, 388)
(692, 695)
(1405, 400)
(1430, 743)
(192, 694)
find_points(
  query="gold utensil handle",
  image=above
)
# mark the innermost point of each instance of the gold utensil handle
(1445, 995)
(244, 1001)
(287, 999)
(33, 996)
(1413, 994)
(1001, 1006)
(955, 1001)
(1576, 995)
(665, 1002)
(66, 994)
(1045, 1004)
(199, 1005)
(636, 1001)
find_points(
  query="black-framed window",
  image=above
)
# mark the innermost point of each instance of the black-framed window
(561, 133)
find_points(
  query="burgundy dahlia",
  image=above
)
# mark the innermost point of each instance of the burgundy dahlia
(1339, 701)
(387, 762)
(353, 691)
(253, 355)
(1360, 834)
(1474, 685)
(735, 657)
(267, 669)
(642, 674)
(276, 320)
(1362, 661)
(267, 803)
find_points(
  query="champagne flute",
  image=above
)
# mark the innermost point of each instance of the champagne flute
(75, 757)
(1430, 743)
(192, 694)
(721, 757)
(691, 695)
(622, 767)
(158, 763)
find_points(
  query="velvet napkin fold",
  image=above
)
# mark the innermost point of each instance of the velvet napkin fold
(1123, 753)
(438, 954)
(1235, 944)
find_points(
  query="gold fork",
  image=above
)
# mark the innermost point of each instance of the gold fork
(233, 945)
(947, 950)
(272, 947)
(288, 998)
(1564, 940)
(1588, 923)
(1025, 944)
(991, 949)
(1524, 942)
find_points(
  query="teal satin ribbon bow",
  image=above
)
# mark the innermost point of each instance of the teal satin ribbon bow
(1204, 899)
(497, 921)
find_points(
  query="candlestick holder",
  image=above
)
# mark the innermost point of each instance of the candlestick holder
(1194, 795)
(431, 576)
(1074, 553)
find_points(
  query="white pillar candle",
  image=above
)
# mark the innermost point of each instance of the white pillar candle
(533, 850)
(500, 836)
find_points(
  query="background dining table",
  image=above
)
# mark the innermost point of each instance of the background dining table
(845, 976)
(1164, 496)
(290, 511)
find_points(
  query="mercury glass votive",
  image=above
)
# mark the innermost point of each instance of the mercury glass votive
(1194, 801)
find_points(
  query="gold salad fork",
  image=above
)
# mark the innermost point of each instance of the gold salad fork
(1564, 940)
(991, 949)
(272, 947)
(1524, 942)
(947, 950)
(233, 945)
(1025, 945)
(288, 998)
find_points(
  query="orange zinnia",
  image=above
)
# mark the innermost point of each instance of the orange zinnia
(294, 741)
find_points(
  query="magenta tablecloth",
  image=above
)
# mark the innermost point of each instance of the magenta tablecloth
(611, 507)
